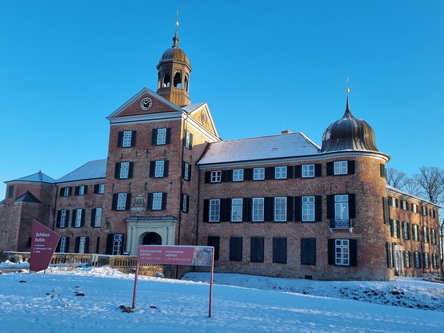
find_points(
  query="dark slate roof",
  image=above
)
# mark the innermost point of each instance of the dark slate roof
(35, 177)
(27, 197)
(348, 133)
(174, 53)
(90, 170)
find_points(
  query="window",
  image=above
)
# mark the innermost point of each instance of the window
(394, 228)
(308, 170)
(121, 201)
(258, 209)
(308, 251)
(280, 250)
(63, 244)
(258, 173)
(81, 245)
(236, 210)
(435, 261)
(424, 211)
(161, 136)
(432, 213)
(342, 252)
(414, 208)
(407, 259)
(99, 188)
(426, 260)
(257, 249)
(393, 202)
(238, 175)
(433, 231)
(341, 207)
(78, 218)
(124, 170)
(417, 258)
(308, 208)
(62, 218)
(81, 190)
(159, 168)
(406, 230)
(404, 205)
(96, 217)
(280, 172)
(214, 215)
(126, 139)
(216, 176)
(186, 171)
(185, 203)
(415, 232)
(116, 244)
(280, 209)
(65, 191)
(425, 233)
(157, 200)
(340, 168)
(188, 141)
(10, 191)
(236, 248)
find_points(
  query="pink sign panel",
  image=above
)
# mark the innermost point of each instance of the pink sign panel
(175, 255)
(43, 244)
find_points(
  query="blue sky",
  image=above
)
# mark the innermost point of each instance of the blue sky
(263, 66)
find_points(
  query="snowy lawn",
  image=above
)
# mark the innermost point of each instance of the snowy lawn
(89, 299)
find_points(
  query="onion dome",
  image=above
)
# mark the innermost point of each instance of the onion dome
(348, 133)
(174, 53)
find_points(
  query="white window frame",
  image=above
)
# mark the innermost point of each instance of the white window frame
(124, 170)
(159, 168)
(101, 189)
(258, 173)
(188, 140)
(117, 244)
(214, 213)
(157, 201)
(415, 232)
(308, 208)
(161, 136)
(341, 207)
(82, 190)
(238, 175)
(405, 230)
(127, 138)
(257, 209)
(186, 171)
(280, 172)
(63, 218)
(82, 244)
(78, 220)
(340, 167)
(236, 209)
(66, 192)
(426, 260)
(425, 232)
(98, 218)
(403, 205)
(308, 171)
(417, 259)
(414, 208)
(121, 201)
(216, 176)
(185, 202)
(407, 259)
(63, 244)
(342, 252)
(280, 209)
(424, 211)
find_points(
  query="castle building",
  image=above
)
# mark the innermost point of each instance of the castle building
(277, 205)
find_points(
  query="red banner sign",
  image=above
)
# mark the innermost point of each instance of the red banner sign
(43, 244)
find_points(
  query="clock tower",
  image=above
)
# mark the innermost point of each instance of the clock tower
(174, 74)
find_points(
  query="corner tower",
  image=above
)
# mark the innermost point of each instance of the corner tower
(174, 74)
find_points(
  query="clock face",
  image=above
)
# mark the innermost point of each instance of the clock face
(146, 103)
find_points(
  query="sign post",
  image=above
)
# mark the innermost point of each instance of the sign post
(43, 244)
(176, 255)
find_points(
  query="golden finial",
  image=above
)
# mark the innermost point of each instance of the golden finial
(347, 89)
(177, 22)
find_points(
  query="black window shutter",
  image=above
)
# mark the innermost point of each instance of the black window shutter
(59, 217)
(215, 242)
(152, 168)
(73, 220)
(225, 176)
(298, 171)
(109, 243)
(225, 210)
(318, 170)
(70, 191)
(257, 249)
(298, 209)
(114, 203)
(329, 168)
(229, 175)
(117, 171)
(82, 220)
(191, 141)
(206, 211)
(207, 176)
(93, 216)
(165, 168)
(308, 251)
(62, 191)
(128, 201)
(189, 172)
(130, 169)
(85, 190)
(268, 209)
(353, 252)
(398, 229)
(352, 206)
(351, 167)
(184, 176)
(150, 201)
(290, 209)
(385, 209)
(154, 137)
(389, 248)
(57, 249)
(318, 208)
(96, 188)
(119, 139)
(133, 138)
(86, 244)
(269, 173)
(280, 250)
(331, 252)
(246, 209)
(77, 245)
(164, 201)
(76, 190)
(248, 174)
(290, 172)
(168, 136)
(236, 248)
(330, 206)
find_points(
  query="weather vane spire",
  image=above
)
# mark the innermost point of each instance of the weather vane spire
(177, 23)
(347, 89)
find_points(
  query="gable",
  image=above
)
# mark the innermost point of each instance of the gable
(201, 115)
(27, 197)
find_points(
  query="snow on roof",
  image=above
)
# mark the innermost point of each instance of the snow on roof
(192, 107)
(401, 192)
(90, 170)
(259, 148)
(35, 177)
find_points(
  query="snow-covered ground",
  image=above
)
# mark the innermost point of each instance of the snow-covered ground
(92, 300)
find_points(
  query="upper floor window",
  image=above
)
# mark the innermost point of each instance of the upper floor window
(78, 218)
(159, 168)
(10, 191)
(280, 209)
(308, 170)
(216, 176)
(258, 209)
(340, 168)
(99, 188)
(414, 208)
(188, 140)
(404, 205)
(425, 232)
(62, 218)
(415, 232)
(157, 201)
(186, 171)
(214, 214)
(65, 191)
(236, 209)
(81, 190)
(308, 208)
(280, 172)
(124, 170)
(121, 201)
(432, 213)
(406, 230)
(161, 136)
(126, 139)
(238, 175)
(424, 210)
(96, 217)
(258, 173)
(341, 207)
(185, 203)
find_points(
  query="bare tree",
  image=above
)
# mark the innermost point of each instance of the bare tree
(412, 187)
(396, 179)
(431, 180)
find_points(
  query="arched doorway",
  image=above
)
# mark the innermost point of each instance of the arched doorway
(152, 238)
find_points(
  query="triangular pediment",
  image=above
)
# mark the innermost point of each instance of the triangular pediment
(134, 106)
(201, 114)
